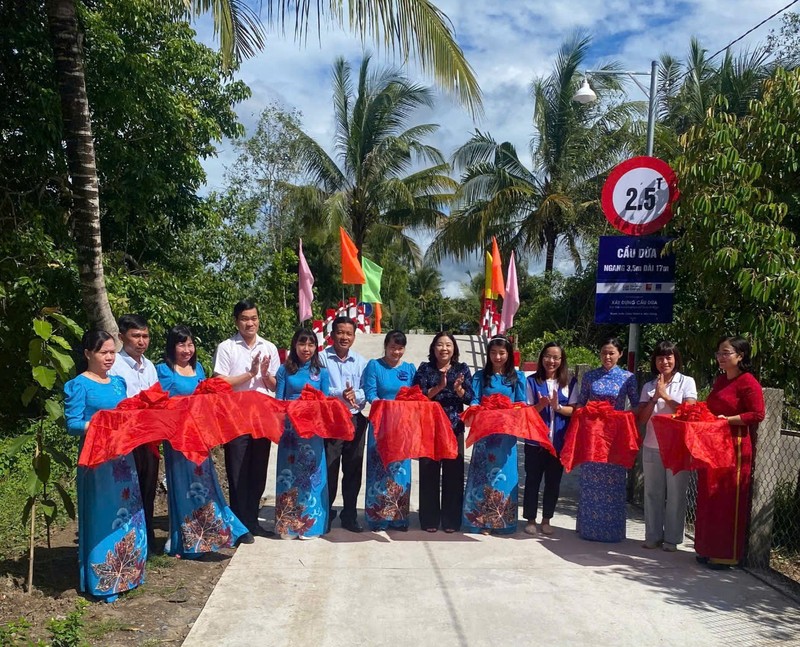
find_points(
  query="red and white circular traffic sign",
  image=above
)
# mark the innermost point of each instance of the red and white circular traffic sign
(638, 195)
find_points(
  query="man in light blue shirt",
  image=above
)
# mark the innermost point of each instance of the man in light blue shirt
(139, 374)
(345, 367)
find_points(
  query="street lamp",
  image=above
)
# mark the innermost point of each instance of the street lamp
(586, 95)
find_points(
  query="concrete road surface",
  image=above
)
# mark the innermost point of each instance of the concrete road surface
(417, 588)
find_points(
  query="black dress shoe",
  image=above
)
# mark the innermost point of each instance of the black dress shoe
(352, 526)
(246, 538)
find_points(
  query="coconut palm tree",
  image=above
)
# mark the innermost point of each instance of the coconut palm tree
(425, 283)
(366, 186)
(535, 210)
(409, 27)
(686, 90)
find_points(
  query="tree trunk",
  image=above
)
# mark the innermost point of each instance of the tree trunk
(550, 253)
(85, 211)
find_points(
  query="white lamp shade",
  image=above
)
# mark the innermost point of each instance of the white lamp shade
(585, 94)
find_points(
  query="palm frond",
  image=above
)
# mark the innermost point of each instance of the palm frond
(239, 28)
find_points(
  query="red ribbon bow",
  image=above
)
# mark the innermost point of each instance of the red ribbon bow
(310, 393)
(697, 412)
(153, 398)
(213, 385)
(410, 394)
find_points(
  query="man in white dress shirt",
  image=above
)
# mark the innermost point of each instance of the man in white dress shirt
(248, 363)
(139, 374)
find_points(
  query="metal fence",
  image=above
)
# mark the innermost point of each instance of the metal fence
(774, 532)
(776, 489)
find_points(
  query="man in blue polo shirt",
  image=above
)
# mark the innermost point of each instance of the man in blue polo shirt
(345, 367)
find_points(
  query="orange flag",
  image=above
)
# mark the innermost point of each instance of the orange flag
(378, 314)
(352, 274)
(498, 285)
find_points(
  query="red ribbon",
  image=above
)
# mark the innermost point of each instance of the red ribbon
(598, 433)
(497, 414)
(410, 394)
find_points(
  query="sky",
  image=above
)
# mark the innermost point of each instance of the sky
(508, 44)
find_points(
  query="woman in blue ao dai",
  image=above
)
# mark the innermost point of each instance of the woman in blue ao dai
(491, 494)
(200, 520)
(601, 508)
(301, 497)
(112, 538)
(388, 487)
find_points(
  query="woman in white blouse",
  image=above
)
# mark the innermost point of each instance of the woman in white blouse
(664, 491)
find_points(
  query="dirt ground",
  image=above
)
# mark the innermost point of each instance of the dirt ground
(161, 611)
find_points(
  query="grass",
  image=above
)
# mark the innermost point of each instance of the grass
(100, 628)
(160, 561)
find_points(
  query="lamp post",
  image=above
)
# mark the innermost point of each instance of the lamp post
(585, 95)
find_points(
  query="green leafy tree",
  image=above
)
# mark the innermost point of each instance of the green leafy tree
(535, 210)
(368, 185)
(156, 111)
(785, 44)
(413, 27)
(266, 163)
(737, 225)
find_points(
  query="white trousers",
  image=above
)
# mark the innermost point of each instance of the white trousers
(664, 499)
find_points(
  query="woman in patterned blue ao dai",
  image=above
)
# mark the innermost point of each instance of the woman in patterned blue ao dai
(200, 520)
(112, 538)
(601, 509)
(388, 487)
(491, 495)
(301, 497)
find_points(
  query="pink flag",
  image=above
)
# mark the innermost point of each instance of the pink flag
(511, 300)
(305, 281)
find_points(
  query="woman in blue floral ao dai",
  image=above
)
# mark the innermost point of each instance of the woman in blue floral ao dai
(200, 520)
(301, 497)
(112, 538)
(601, 511)
(490, 498)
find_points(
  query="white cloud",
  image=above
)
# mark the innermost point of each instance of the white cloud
(508, 44)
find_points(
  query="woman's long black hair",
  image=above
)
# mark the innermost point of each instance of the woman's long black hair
(293, 362)
(509, 372)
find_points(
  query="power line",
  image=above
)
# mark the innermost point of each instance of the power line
(752, 29)
(738, 38)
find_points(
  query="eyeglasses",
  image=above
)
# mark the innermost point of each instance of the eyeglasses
(725, 354)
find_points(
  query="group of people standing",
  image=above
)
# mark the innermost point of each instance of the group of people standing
(116, 499)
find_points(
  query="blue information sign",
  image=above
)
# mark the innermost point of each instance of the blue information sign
(635, 282)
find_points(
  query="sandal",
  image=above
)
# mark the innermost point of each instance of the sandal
(431, 529)
(449, 531)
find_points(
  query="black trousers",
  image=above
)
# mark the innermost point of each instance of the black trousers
(541, 463)
(446, 511)
(246, 460)
(147, 468)
(350, 454)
